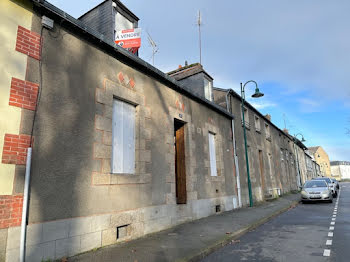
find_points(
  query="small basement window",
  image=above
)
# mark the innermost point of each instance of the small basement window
(122, 231)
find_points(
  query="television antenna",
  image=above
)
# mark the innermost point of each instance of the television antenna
(154, 46)
(199, 23)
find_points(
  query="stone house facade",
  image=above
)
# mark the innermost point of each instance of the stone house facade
(321, 158)
(82, 98)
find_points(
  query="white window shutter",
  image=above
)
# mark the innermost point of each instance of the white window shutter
(129, 141)
(212, 155)
(123, 132)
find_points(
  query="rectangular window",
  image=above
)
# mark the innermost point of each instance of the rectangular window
(121, 22)
(257, 123)
(123, 138)
(267, 131)
(246, 117)
(208, 86)
(212, 155)
(282, 154)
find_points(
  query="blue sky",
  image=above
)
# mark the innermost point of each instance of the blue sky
(298, 52)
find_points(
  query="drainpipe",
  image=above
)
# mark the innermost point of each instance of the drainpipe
(238, 182)
(25, 206)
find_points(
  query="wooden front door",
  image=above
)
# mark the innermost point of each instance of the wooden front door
(180, 167)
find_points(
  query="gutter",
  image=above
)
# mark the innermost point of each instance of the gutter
(113, 49)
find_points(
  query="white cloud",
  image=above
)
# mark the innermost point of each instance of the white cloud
(338, 153)
(263, 105)
(308, 105)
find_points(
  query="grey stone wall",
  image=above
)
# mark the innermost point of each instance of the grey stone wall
(63, 238)
(277, 173)
(3, 241)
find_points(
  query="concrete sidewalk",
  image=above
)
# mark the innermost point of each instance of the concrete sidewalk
(191, 241)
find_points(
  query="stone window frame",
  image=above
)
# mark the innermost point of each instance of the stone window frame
(257, 124)
(291, 155)
(210, 88)
(215, 148)
(210, 128)
(102, 152)
(282, 154)
(190, 153)
(246, 117)
(267, 131)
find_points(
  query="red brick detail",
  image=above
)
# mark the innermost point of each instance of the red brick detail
(10, 210)
(23, 94)
(132, 83)
(15, 149)
(28, 42)
(120, 77)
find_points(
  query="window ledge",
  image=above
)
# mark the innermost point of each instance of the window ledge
(246, 126)
(100, 179)
(119, 179)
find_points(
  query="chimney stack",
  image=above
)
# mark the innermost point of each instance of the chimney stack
(268, 116)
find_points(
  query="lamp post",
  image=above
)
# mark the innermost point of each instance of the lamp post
(296, 152)
(257, 94)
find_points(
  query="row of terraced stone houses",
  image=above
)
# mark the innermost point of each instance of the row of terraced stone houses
(119, 148)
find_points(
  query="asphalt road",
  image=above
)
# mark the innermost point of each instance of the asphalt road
(306, 234)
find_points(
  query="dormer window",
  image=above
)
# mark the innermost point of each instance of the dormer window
(121, 22)
(208, 87)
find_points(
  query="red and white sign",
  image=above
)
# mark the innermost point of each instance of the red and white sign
(130, 38)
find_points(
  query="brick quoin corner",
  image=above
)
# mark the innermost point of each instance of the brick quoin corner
(15, 149)
(23, 94)
(10, 210)
(28, 42)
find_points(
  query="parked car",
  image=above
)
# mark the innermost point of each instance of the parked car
(330, 183)
(316, 190)
(335, 182)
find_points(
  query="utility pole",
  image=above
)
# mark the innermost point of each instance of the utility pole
(199, 23)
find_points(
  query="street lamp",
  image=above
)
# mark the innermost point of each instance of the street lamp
(296, 153)
(257, 94)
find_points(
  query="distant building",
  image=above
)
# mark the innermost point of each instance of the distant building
(340, 169)
(321, 158)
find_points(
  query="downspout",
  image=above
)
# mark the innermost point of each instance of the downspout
(25, 205)
(22, 247)
(238, 182)
(299, 182)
